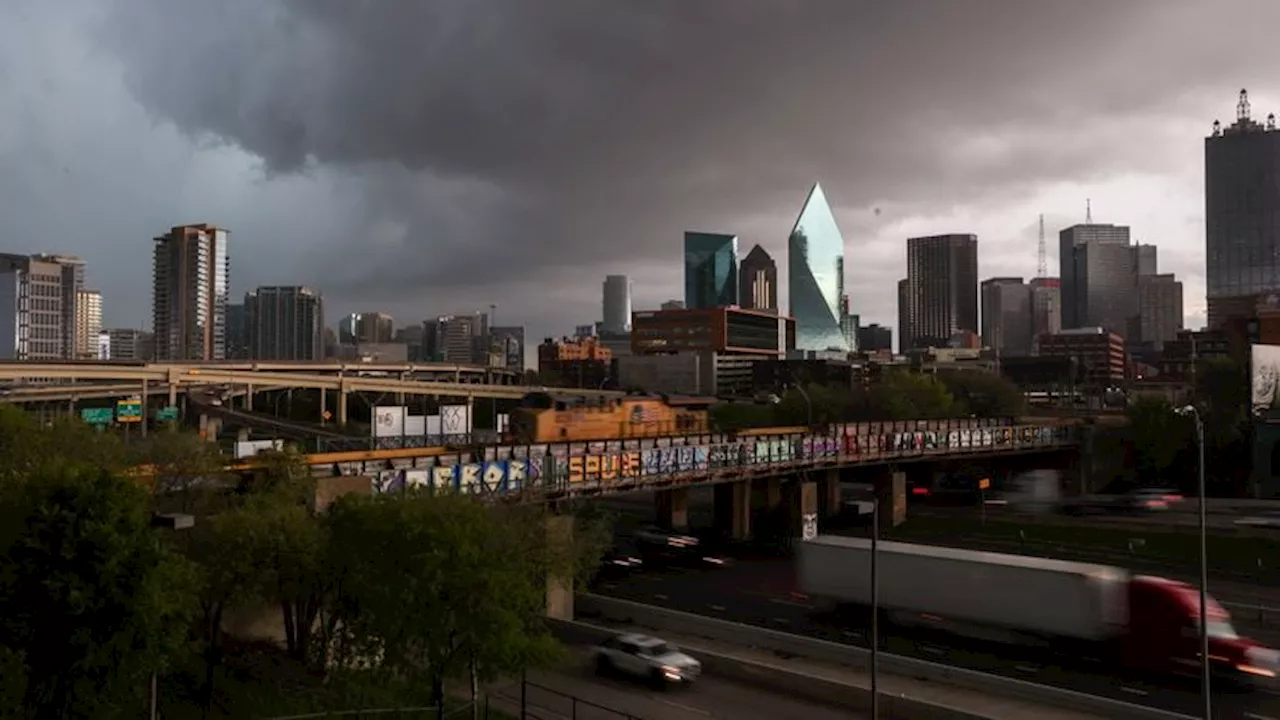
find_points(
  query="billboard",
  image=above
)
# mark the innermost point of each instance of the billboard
(455, 420)
(1264, 368)
(389, 420)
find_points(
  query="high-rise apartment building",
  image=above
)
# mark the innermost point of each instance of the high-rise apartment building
(941, 290)
(88, 324)
(617, 305)
(758, 281)
(285, 323)
(237, 331)
(710, 270)
(1007, 316)
(508, 341)
(457, 339)
(1241, 203)
(366, 329)
(32, 309)
(905, 341)
(815, 275)
(191, 282)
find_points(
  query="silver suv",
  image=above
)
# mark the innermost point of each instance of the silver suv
(647, 657)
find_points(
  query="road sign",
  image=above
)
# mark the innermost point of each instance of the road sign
(327, 415)
(984, 484)
(167, 414)
(129, 410)
(97, 416)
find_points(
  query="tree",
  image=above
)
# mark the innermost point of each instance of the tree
(92, 602)
(900, 395)
(434, 587)
(1158, 435)
(187, 472)
(25, 445)
(984, 394)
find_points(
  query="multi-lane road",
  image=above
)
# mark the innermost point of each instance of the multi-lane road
(550, 696)
(762, 593)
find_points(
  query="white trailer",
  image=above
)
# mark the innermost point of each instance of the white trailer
(938, 585)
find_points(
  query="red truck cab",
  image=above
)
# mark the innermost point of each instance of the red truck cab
(1163, 635)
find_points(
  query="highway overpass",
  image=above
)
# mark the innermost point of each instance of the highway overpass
(175, 377)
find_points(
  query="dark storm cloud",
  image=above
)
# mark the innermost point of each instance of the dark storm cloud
(592, 133)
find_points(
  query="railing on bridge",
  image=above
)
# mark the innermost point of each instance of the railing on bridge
(565, 469)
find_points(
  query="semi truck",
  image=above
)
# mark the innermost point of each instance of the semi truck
(1142, 623)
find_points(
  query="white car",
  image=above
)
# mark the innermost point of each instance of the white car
(647, 657)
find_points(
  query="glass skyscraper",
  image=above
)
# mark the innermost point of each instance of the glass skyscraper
(815, 269)
(710, 270)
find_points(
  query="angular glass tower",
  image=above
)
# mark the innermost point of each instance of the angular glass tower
(710, 270)
(815, 271)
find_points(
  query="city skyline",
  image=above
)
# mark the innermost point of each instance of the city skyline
(376, 216)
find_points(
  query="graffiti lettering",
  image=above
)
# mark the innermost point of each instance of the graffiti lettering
(584, 468)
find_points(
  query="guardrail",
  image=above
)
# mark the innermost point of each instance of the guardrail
(662, 619)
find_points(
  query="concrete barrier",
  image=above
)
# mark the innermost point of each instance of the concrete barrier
(787, 681)
(662, 619)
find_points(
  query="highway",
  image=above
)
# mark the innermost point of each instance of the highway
(760, 593)
(709, 698)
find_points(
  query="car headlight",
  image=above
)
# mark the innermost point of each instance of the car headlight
(671, 672)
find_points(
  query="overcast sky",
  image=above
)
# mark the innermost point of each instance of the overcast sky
(425, 157)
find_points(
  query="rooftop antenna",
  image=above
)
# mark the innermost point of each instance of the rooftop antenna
(1042, 268)
(1242, 107)
(1088, 211)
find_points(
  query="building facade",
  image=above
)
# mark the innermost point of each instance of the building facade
(366, 328)
(1097, 264)
(1242, 204)
(758, 281)
(88, 324)
(191, 280)
(508, 341)
(710, 270)
(1046, 308)
(285, 323)
(941, 291)
(458, 339)
(1159, 310)
(617, 304)
(724, 330)
(815, 276)
(32, 315)
(129, 344)
(582, 363)
(1007, 316)
(875, 338)
(1097, 354)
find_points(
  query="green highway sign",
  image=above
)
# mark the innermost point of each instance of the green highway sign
(167, 414)
(97, 416)
(129, 410)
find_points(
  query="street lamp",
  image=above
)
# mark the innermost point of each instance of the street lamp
(166, 521)
(1190, 410)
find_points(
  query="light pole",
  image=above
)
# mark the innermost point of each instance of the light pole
(1204, 563)
(165, 521)
(875, 602)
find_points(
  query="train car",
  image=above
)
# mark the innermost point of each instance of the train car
(790, 430)
(542, 418)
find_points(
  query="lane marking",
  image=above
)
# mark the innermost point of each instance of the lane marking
(660, 596)
(1028, 668)
(1133, 691)
(790, 603)
(933, 650)
(682, 706)
(1256, 716)
(718, 608)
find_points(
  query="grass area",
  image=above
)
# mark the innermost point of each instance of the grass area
(259, 682)
(1235, 556)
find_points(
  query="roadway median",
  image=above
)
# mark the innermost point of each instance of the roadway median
(836, 672)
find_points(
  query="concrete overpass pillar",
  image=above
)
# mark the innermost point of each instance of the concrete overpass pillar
(829, 497)
(891, 493)
(248, 398)
(673, 508)
(733, 509)
(173, 394)
(560, 584)
(324, 399)
(342, 407)
(803, 509)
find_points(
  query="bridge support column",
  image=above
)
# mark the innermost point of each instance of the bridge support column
(342, 407)
(830, 502)
(560, 584)
(733, 509)
(803, 509)
(248, 398)
(891, 493)
(673, 508)
(324, 399)
(767, 492)
(173, 394)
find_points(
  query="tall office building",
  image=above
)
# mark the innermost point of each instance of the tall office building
(1241, 203)
(191, 281)
(1101, 273)
(458, 339)
(815, 274)
(905, 341)
(237, 332)
(129, 344)
(617, 305)
(88, 324)
(72, 271)
(710, 270)
(1046, 308)
(1159, 310)
(758, 281)
(1007, 316)
(32, 312)
(366, 329)
(942, 289)
(508, 341)
(285, 323)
